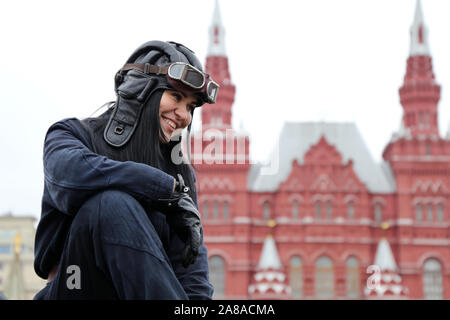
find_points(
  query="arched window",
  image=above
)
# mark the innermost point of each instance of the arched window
(350, 211)
(432, 280)
(205, 210)
(318, 210)
(295, 211)
(429, 212)
(226, 213)
(217, 276)
(377, 212)
(266, 211)
(329, 210)
(418, 212)
(440, 212)
(216, 210)
(324, 279)
(296, 277)
(352, 277)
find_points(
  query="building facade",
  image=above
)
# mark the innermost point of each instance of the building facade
(332, 213)
(18, 281)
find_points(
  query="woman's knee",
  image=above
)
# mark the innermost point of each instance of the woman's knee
(108, 207)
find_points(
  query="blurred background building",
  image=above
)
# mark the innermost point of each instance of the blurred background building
(17, 277)
(329, 222)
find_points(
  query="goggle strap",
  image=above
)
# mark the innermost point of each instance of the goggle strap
(146, 68)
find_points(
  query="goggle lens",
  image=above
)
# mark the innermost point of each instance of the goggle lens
(194, 79)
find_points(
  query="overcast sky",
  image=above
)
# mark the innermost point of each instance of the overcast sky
(302, 60)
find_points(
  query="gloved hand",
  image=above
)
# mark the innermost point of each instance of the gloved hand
(182, 214)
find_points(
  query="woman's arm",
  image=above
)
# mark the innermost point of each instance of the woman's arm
(73, 173)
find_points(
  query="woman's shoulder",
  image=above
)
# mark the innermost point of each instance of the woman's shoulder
(72, 125)
(67, 123)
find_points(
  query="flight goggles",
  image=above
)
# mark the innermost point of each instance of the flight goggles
(182, 76)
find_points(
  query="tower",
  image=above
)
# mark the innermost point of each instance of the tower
(221, 157)
(419, 160)
(420, 94)
(218, 115)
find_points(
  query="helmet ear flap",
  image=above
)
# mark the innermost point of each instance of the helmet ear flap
(118, 79)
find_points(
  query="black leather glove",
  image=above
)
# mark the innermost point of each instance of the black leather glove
(183, 216)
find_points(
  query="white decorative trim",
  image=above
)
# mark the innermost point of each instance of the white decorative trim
(217, 184)
(295, 197)
(425, 186)
(265, 199)
(323, 183)
(378, 200)
(219, 239)
(405, 222)
(422, 158)
(351, 198)
(242, 220)
(324, 198)
(431, 242)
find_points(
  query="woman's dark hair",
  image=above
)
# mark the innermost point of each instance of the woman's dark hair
(144, 146)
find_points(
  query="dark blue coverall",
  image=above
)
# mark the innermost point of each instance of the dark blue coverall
(96, 216)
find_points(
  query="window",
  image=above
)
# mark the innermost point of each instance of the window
(351, 211)
(440, 212)
(432, 280)
(217, 276)
(318, 210)
(215, 210)
(328, 210)
(428, 149)
(419, 212)
(429, 212)
(296, 277)
(324, 278)
(226, 213)
(205, 210)
(266, 211)
(378, 215)
(352, 278)
(295, 209)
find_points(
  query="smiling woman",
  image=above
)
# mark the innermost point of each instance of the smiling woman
(129, 221)
(175, 112)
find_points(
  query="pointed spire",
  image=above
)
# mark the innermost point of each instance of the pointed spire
(15, 285)
(419, 34)
(269, 256)
(269, 281)
(216, 45)
(384, 257)
(388, 283)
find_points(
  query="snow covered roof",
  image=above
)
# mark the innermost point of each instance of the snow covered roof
(295, 140)
(419, 34)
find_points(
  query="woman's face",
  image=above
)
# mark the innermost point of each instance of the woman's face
(175, 112)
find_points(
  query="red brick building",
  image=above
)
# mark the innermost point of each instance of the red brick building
(326, 210)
